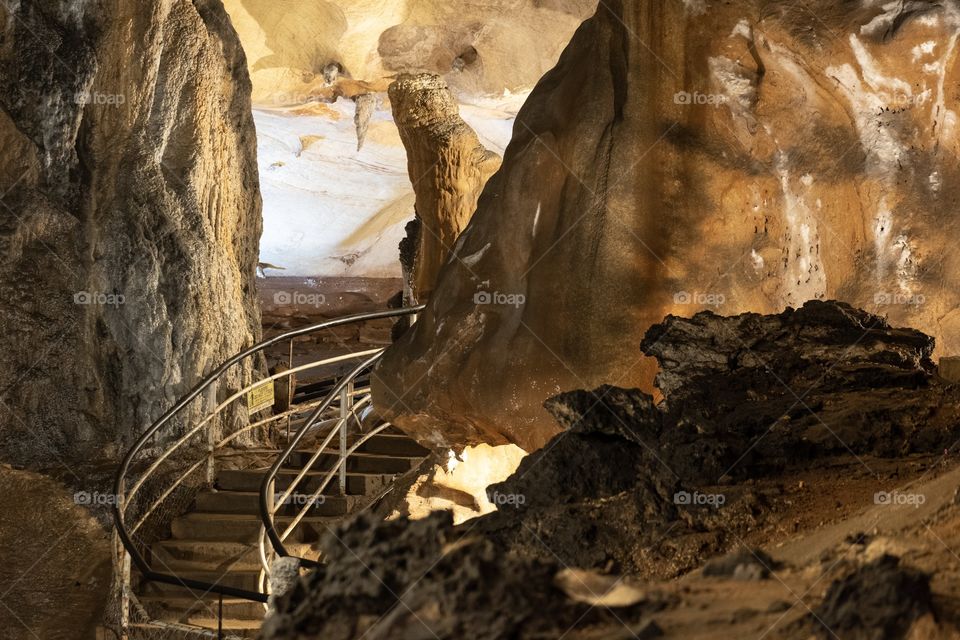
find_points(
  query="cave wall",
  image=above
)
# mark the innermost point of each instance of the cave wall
(738, 156)
(130, 217)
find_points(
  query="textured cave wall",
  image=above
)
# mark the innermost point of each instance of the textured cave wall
(448, 168)
(479, 47)
(130, 217)
(736, 156)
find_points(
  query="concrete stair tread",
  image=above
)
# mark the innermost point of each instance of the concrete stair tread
(214, 555)
(356, 462)
(177, 607)
(229, 624)
(238, 527)
(358, 483)
(247, 502)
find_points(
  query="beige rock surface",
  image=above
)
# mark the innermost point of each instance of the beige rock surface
(482, 47)
(56, 560)
(129, 220)
(736, 156)
(448, 168)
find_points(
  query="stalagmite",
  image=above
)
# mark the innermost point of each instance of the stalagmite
(366, 105)
(448, 168)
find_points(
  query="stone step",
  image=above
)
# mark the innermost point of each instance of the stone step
(213, 554)
(240, 527)
(249, 502)
(356, 463)
(391, 444)
(182, 608)
(236, 627)
(358, 484)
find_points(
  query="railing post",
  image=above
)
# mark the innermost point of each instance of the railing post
(290, 388)
(124, 571)
(346, 403)
(211, 401)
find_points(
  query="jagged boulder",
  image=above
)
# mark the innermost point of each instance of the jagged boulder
(624, 471)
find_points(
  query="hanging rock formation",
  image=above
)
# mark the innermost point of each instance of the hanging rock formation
(737, 156)
(130, 217)
(344, 47)
(448, 168)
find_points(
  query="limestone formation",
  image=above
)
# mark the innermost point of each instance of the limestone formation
(366, 105)
(448, 168)
(737, 156)
(130, 218)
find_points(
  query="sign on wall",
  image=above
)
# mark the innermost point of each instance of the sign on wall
(260, 397)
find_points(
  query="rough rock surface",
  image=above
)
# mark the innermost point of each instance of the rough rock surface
(614, 475)
(56, 560)
(746, 156)
(130, 217)
(448, 168)
(880, 600)
(633, 497)
(481, 47)
(417, 579)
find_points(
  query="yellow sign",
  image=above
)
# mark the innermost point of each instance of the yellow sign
(260, 397)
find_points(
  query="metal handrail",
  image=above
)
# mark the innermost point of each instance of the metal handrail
(125, 535)
(267, 511)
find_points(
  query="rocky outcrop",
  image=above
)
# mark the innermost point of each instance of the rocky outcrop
(881, 599)
(799, 390)
(130, 219)
(448, 168)
(328, 49)
(57, 556)
(739, 156)
(408, 580)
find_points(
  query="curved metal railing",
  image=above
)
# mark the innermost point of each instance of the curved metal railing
(271, 501)
(162, 455)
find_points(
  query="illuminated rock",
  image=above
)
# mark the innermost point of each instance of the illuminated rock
(731, 156)
(448, 168)
(131, 216)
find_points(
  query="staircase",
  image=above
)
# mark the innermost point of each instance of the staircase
(224, 523)
(200, 515)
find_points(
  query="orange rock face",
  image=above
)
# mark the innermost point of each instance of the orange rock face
(739, 156)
